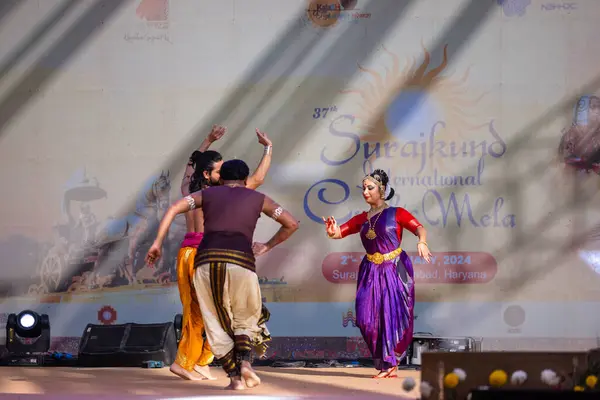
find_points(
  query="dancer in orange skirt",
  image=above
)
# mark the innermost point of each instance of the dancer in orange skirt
(193, 354)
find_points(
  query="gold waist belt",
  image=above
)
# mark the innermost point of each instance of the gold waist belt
(379, 258)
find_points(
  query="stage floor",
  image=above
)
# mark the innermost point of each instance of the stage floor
(138, 383)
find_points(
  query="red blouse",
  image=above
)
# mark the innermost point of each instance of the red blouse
(404, 219)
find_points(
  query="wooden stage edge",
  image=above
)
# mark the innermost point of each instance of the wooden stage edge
(137, 383)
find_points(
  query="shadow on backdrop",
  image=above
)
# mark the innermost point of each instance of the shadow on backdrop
(40, 74)
(6, 7)
(35, 36)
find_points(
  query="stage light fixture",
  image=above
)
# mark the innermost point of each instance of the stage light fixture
(27, 333)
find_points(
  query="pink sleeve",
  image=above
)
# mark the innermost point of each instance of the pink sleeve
(407, 221)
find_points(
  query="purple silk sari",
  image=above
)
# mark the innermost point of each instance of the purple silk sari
(385, 295)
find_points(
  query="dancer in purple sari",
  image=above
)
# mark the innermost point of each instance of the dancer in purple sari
(385, 295)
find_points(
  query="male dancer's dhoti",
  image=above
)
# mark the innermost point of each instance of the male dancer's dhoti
(231, 304)
(193, 349)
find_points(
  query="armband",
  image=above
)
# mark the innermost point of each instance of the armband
(277, 213)
(191, 202)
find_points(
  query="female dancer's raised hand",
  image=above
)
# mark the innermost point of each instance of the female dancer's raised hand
(331, 226)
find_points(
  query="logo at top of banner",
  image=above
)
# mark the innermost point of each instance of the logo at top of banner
(153, 11)
(327, 13)
(154, 27)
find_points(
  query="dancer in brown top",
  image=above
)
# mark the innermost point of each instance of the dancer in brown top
(225, 279)
(194, 354)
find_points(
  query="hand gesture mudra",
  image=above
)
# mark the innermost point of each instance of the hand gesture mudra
(216, 133)
(424, 252)
(263, 138)
(331, 226)
(154, 253)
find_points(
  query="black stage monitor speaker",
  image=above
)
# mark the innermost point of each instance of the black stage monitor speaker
(127, 345)
(423, 342)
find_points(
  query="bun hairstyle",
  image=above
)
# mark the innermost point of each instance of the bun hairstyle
(380, 177)
(194, 158)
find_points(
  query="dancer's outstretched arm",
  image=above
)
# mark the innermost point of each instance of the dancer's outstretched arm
(258, 177)
(186, 204)
(334, 231)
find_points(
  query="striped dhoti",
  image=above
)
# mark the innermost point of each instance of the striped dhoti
(231, 304)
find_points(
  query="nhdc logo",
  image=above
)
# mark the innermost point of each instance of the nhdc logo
(517, 8)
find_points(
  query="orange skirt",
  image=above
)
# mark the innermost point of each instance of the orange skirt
(193, 348)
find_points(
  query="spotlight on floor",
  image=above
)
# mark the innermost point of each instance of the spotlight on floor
(27, 338)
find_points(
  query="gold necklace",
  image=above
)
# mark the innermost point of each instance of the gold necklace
(371, 232)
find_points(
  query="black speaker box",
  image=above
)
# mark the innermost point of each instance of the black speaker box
(426, 342)
(127, 345)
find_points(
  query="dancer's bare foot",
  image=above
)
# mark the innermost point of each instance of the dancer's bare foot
(249, 375)
(185, 374)
(204, 371)
(236, 384)
(388, 373)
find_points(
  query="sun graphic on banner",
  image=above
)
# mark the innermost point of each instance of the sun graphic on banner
(407, 104)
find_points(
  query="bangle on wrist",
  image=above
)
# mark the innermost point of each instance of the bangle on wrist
(425, 243)
(268, 149)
